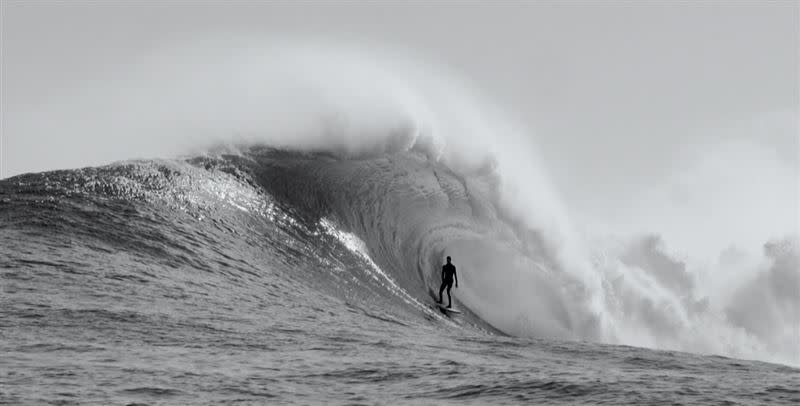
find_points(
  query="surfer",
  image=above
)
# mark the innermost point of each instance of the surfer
(448, 273)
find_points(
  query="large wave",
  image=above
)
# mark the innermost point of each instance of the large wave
(415, 163)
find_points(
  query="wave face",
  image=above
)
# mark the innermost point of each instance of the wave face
(273, 274)
(409, 212)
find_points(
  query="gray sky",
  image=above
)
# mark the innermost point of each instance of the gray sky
(615, 94)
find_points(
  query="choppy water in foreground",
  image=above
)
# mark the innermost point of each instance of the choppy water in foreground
(186, 283)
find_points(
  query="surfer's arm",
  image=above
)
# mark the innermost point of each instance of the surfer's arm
(455, 274)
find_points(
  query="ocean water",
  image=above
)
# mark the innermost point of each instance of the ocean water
(270, 276)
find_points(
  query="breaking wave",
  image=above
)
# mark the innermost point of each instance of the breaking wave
(407, 165)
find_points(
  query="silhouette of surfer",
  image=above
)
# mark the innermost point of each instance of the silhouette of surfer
(448, 273)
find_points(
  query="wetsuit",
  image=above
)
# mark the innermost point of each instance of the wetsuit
(448, 273)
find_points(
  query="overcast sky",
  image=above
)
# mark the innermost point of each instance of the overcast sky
(615, 94)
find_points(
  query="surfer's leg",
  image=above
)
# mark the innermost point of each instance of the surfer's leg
(449, 298)
(441, 289)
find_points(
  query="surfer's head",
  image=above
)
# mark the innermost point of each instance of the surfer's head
(448, 260)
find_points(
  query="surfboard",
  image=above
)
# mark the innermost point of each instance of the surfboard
(445, 309)
(442, 307)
